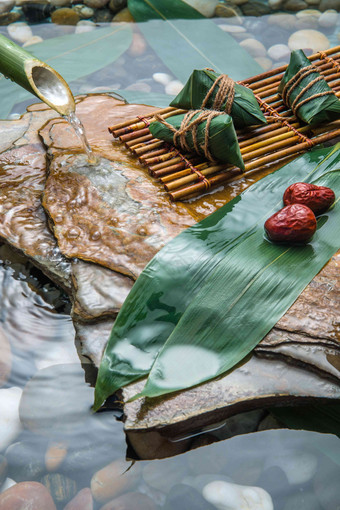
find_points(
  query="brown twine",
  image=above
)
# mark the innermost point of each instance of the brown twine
(201, 177)
(143, 119)
(329, 60)
(295, 81)
(276, 117)
(226, 90)
(190, 124)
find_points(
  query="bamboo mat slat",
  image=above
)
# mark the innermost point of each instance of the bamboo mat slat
(285, 137)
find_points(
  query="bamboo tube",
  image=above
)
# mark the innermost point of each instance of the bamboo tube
(35, 76)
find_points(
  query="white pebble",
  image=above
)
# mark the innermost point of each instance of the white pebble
(19, 31)
(328, 19)
(229, 496)
(10, 426)
(84, 26)
(174, 87)
(33, 40)
(299, 467)
(312, 39)
(162, 78)
(278, 52)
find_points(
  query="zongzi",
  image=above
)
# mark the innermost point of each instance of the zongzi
(306, 92)
(207, 89)
(206, 132)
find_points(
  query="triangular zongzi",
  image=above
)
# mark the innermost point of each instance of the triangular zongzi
(306, 92)
(208, 133)
(207, 89)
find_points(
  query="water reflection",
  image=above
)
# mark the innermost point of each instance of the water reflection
(49, 435)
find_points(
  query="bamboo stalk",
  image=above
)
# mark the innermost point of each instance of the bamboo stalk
(143, 123)
(128, 122)
(133, 143)
(35, 76)
(271, 158)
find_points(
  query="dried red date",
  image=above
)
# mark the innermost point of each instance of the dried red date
(293, 224)
(317, 198)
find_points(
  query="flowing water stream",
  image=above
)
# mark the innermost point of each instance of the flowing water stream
(80, 132)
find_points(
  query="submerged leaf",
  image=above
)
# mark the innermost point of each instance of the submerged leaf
(174, 277)
(183, 38)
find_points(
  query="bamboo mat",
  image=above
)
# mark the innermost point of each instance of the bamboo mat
(186, 175)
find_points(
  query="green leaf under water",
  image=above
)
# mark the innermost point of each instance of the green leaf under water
(184, 39)
(188, 271)
(73, 56)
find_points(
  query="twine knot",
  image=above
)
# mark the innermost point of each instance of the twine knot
(189, 124)
(226, 90)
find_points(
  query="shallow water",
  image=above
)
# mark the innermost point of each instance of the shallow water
(57, 435)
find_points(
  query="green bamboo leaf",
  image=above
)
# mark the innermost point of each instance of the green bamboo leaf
(176, 274)
(184, 39)
(250, 290)
(73, 56)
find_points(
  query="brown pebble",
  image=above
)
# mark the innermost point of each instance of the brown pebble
(123, 15)
(55, 455)
(27, 495)
(82, 501)
(138, 45)
(65, 16)
(132, 500)
(114, 479)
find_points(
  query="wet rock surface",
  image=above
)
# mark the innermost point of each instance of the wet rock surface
(108, 220)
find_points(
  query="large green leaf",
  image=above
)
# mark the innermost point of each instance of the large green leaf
(73, 56)
(172, 280)
(184, 39)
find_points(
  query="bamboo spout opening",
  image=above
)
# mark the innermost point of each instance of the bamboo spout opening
(50, 87)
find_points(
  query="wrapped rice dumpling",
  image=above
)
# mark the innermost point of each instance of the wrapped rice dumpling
(207, 89)
(306, 92)
(208, 133)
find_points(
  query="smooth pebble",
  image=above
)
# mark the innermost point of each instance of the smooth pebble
(299, 466)
(114, 479)
(312, 39)
(162, 78)
(174, 87)
(279, 52)
(253, 47)
(6, 6)
(35, 39)
(81, 501)
(229, 496)
(25, 496)
(10, 425)
(20, 32)
(329, 19)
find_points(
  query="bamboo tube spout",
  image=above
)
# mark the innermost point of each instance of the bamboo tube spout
(35, 76)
